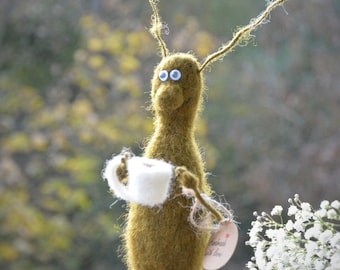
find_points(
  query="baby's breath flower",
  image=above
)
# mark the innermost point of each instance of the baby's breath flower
(306, 207)
(319, 264)
(309, 240)
(336, 204)
(311, 248)
(321, 213)
(277, 210)
(325, 236)
(297, 235)
(313, 232)
(292, 210)
(324, 204)
(305, 214)
(281, 235)
(331, 214)
(335, 260)
(271, 233)
(298, 225)
(257, 226)
(289, 225)
(335, 241)
(250, 265)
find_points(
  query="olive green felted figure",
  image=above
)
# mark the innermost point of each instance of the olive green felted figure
(158, 233)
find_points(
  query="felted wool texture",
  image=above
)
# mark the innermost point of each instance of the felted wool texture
(148, 181)
(163, 238)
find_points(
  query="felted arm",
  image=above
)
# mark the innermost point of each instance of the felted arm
(190, 181)
(186, 178)
(121, 171)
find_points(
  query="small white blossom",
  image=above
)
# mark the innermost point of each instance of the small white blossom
(331, 214)
(305, 215)
(313, 232)
(321, 213)
(271, 233)
(297, 235)
(281, 235)
(257, 226)
(277, 210)
(335, 241)
(306, 207)
(250, 265)
(325, 236)
(336, 204)
(324, 204)
(292, 210)
(319, 264)
(271, 251)
(335, 260)
(298, 225)
(309, 233)
(311, 248)
(289, 225)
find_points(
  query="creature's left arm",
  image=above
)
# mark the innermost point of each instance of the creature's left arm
(190, 182)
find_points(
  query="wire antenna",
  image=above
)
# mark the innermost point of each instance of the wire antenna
(156, 28)
(243, 34)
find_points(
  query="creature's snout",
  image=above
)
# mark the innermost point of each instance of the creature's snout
(168, 97)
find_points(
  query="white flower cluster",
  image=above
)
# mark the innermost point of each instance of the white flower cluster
(310, 239)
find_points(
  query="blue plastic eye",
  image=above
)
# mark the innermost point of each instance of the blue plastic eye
(175, 74)
(163, 75)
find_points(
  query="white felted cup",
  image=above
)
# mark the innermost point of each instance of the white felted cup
(148, 182)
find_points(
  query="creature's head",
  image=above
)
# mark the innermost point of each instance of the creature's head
(177, 85)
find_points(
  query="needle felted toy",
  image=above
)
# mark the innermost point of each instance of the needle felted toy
(160, 187)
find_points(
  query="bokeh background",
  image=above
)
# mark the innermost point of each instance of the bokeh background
(74, 85)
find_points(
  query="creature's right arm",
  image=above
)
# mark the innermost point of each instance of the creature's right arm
(121, 171)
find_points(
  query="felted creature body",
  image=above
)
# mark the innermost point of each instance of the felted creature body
(158, 233)
(161, 237)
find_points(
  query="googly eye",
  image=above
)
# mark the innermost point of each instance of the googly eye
(163, 75)
(175, 74)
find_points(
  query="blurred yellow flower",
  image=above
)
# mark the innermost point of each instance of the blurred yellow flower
(128, 63)
(8, 252)
(104, 74)
(204, 44)
(96, 61)
(114, 42)
(95, 44)
(86, 21)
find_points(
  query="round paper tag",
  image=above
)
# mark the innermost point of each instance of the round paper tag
(221, 246)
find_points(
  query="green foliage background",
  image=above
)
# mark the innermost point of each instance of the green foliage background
(74, 85)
